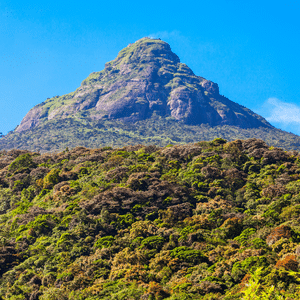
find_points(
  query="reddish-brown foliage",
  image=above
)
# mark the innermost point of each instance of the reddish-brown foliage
(278, 233)
(289, 262)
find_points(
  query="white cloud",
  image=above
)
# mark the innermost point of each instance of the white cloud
(282, 114)
(166, 34)
(174, 37)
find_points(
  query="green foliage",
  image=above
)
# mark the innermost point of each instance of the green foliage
(51, 179)
(243, 238)
(187, 254)
(239, 269)
(21, 164)
(153, 242)
(211, 220)
(59, 134)
(254, 289)
(105, 242)
(124, 221)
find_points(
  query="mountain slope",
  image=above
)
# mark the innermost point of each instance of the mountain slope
(146, 77)
(144, 96)
(57, 135)
(210, 220)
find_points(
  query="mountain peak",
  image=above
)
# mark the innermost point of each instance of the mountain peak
(145, 51)
(145, 78)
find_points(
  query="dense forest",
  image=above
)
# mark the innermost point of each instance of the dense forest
(57, 135)
(208, 220)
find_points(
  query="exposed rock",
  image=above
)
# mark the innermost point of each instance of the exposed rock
(146, 77)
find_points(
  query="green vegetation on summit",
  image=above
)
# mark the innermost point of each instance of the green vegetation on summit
(209, 220)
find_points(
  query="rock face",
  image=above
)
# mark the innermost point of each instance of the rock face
(146, 78)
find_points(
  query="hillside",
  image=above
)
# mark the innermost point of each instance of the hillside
(209, 220)
(57, 135)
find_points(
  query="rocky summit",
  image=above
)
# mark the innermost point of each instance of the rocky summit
(146, 78)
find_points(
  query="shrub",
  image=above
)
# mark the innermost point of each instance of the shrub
(104, 242)
(289, 262)
(243, 238)
(187, 254)
(21, 164)
(278, 233)
(51, 179)
(153, 242)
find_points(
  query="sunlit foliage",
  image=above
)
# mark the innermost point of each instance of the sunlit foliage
(209, 220)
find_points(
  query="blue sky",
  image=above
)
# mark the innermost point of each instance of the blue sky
(250, 48)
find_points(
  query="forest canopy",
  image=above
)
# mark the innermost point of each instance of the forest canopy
(57, 135)
(205, 220)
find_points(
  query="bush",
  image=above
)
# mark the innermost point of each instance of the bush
(21, 164)
(153, 242)
(187, 254)
(51, 179)
(288, 262)
(104, 242)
